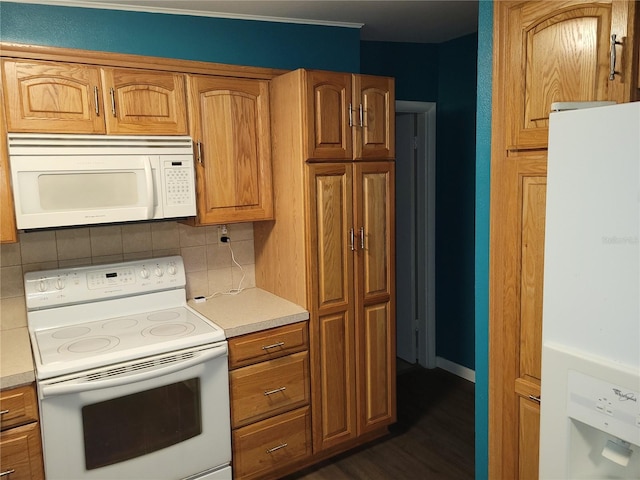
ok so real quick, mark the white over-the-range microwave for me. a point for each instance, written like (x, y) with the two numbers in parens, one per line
(67, 179)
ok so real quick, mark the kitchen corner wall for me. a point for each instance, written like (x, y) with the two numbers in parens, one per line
(208, 263)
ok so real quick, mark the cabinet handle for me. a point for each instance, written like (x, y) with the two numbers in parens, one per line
(534, 398)
(361, 116)
(112, 93)
(9, 472)
(282, 445)
(273, 345)
(2, 412)
(95, 101)
(612, 57)
(199, 148)
(277, 390)
(361, 238)
(352, 240)
(350, 115)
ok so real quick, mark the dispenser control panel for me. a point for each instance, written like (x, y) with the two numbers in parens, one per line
(612, 408)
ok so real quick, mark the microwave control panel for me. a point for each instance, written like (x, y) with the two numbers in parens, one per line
(178, 183)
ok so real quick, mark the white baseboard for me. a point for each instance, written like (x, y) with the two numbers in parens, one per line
(456, 369)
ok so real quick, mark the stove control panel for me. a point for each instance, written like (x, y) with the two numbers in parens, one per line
(52, 288)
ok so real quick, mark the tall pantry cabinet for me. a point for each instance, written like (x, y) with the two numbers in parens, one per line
(544, 52)
(331, 246)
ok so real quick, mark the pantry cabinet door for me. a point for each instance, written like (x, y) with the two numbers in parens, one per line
(230, 119)
(144, 102)
(374, 122)
(329, 115)
(332, 326)
(52, 97)
(374, 197)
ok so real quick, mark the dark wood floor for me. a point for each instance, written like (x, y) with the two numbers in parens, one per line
(433, 439)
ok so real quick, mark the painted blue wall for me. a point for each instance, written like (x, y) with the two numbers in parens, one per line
(483, 170)
(236, 42)
(455, 200)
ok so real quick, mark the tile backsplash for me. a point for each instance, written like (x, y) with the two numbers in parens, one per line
(208, 263)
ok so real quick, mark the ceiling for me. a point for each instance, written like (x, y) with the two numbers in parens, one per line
(416, 21)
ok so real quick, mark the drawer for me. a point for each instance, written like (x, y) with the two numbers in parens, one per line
(21, 453)
(268, 344)
(273, 443)
(268, 388)
(18, 406)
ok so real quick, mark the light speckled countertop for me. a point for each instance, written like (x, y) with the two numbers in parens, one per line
(249, 311)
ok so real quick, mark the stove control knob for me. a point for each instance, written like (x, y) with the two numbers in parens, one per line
(42, 286)
(144, 273)
(159, 272)
(60, 284)
(172, 270)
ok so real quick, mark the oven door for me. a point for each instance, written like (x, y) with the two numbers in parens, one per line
(161, 417)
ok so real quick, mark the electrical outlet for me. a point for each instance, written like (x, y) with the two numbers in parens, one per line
(223, 234)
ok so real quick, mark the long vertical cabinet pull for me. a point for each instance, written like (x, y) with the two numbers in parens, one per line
(361, 116)
(350, 115)
(352, 239)
(199, 149)
(612, 57)
(95, 101)
(112, 93)
(361, 238)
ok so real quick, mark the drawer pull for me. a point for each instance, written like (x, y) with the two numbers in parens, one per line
(283, 445)
(277, 390)
(273, 345)
(2, 412)
(9, 472)
(534, 398)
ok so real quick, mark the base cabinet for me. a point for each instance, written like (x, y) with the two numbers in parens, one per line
(270, 395)
(20, 444)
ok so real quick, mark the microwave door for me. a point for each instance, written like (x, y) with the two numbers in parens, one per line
(83, 190)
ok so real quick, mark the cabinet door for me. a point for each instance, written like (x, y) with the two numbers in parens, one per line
(52, 97)
(374, 196)
(332, 327)
(374, 122)
(231, 127)
(144, 102)
(329, 116)
(561, 53)
(8, 231)
(528, 439)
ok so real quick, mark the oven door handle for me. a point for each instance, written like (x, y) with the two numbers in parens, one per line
(83, 385)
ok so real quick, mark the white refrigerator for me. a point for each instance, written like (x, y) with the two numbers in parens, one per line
(590, 393)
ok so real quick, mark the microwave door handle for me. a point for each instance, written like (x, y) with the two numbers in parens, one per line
(148, 176)
(85, 386)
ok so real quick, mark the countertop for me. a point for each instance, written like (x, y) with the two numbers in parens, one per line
(249, 311)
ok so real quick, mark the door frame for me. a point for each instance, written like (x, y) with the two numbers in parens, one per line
(425, 229)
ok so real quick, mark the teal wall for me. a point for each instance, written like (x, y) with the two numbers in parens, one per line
(483, 170)
(237, 42)
(446, 74)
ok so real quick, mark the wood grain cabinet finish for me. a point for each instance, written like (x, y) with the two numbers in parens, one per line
(57, 97)
(231, 127)
(331, 250)
(8, 232)
(20, 444)
(544, 52)
(270, 396)
(348, 116)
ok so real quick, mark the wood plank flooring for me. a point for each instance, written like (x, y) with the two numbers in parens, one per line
(433, 438)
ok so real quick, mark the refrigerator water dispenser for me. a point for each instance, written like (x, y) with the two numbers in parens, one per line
(604, 431)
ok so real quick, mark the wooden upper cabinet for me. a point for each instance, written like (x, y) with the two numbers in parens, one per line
(328, 122)
(230, 125)
(58, 97)
(52, 97)
(144, 102)
(374, 131)
(349, 116)
(8, 231)
(561, 52)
